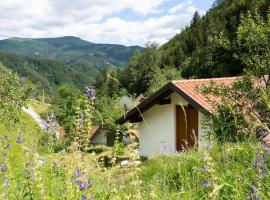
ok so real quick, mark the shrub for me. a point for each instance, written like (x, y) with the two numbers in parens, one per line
(99, 149)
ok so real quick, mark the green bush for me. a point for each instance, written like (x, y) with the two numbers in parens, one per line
(99, 149)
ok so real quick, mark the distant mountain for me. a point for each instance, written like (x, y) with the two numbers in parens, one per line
(50, 73)
(70, 50)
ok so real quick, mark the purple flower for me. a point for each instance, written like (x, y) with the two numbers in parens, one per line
(54, 124)
(263, 172)
(255, 164)
(206, 183)
(205, 169)
(4, 168)
(90, 183)
(6, 138)
(6, 183)
(8, 146)
(203, 158)
(83, 197)
(77, 172)
(82, 185)
(90, 92)
(46, 126)
(19, 139)
(261, 133)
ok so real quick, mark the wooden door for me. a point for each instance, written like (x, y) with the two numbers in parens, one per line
(186, 127)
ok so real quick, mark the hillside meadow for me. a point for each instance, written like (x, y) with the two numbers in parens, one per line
(228, 171)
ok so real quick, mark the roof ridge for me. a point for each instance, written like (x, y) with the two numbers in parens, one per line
(206, 79)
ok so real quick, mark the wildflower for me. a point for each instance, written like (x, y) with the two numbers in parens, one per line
(90, 183)
(46, 126)
(261, 133)
(6, 183)
(29, 173)
(8, 146)
(54, 124)
(264, 167)
(82, 185)
(251, 193)
(83, 197)
(6, 138)
(206, 183)
(90, 92)
(255, 164)
(203, 158)
(205, 169)
(4, 168)
(77, 172)
(19, 139)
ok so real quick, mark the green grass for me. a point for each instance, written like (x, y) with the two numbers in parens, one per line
(181, 176)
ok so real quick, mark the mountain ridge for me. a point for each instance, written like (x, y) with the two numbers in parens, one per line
(70, 49)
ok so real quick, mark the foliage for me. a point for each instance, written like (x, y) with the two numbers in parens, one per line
(254, 45)
(196, 52)
(159, 77)
(108, 84)
(12, 89)
(244, 106)
(50, 73)
(99, 149)
(221, 172)
(107, 112)
(118, 147)
(64, 107)
(136, 77)
(83, 123)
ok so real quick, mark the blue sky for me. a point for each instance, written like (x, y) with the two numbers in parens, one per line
(127, 22)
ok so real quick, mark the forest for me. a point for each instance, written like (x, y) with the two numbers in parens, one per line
(198, 51)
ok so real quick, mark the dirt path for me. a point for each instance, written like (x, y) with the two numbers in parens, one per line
(30, 111)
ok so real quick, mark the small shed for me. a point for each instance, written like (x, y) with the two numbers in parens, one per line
(171, 119)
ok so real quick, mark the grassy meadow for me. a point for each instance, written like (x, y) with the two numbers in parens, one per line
(227, 171)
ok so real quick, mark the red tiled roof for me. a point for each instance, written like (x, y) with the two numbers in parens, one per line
(188, 89)
(191, 88)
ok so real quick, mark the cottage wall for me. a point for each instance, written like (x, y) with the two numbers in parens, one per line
(158, 129)
(100, 138)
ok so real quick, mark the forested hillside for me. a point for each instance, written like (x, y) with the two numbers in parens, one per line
(71, 49)
(205, 48)
(50, 73)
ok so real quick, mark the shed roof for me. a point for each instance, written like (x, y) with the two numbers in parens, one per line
(188, 89)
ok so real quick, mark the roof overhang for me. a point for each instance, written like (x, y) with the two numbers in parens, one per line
(135, 114)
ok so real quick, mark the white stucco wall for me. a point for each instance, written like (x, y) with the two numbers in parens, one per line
(158, 129)
(201, 130)
(100, 138)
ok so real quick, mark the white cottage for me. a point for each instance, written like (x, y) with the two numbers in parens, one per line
(171, 119)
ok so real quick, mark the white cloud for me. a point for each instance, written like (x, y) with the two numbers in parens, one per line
(89, 20)
(180, 7)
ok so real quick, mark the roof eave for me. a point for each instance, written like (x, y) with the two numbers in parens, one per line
(150, 101)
